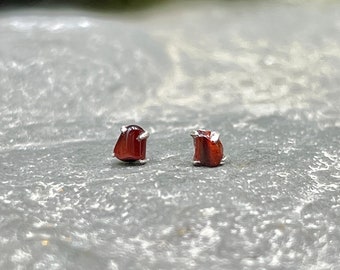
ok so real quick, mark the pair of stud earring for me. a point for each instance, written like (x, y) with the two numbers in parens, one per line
(131, 146)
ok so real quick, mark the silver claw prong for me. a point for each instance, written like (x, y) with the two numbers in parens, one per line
(196, 162)
(123, 129)
(224, 158)
(113, 155)
(194, 134)
(143, 136)
(214, 136)
(142, 161)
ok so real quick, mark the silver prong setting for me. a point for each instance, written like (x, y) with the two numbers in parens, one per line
(214, 136)
(196, 162)
(123, 129)
(143, 136)
(194, 134)
(142, 161)
(224, 158)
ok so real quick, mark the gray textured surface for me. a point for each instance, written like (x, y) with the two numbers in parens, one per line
(266, 76)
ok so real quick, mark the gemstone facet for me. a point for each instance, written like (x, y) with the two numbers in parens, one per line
(208, 148)
(131, 144)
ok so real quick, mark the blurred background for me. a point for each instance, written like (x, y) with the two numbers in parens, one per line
(89, 4)
(103, 5)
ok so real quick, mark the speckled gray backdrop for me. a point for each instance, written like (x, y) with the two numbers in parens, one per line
(265, 75)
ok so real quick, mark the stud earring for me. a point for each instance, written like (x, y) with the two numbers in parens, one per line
(131, 144)
(208, 148)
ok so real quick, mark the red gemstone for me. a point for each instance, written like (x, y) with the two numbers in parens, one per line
(208, 148)
(131, 144)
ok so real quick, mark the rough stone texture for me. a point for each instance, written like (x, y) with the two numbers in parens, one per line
(265, 75)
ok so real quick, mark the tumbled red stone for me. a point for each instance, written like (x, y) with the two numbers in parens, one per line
(208, 148)
(131, 144)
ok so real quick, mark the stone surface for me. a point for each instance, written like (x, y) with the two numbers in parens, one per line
(265, 75)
